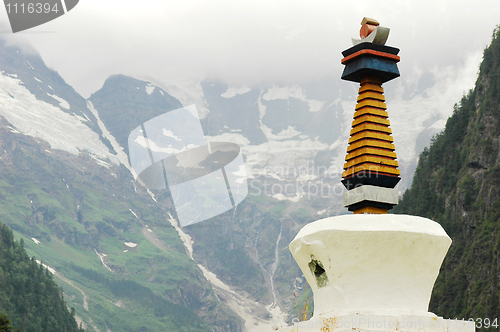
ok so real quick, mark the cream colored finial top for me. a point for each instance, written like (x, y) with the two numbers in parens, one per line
(372, 32)
(367, 20)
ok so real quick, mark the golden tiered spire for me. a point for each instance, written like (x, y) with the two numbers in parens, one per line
(370, 145)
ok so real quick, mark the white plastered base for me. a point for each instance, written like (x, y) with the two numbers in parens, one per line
(377, 268)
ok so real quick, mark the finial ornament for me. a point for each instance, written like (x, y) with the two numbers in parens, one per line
(372, 32)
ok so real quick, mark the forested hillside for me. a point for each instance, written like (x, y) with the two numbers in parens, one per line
(29, 296)
(457, 184)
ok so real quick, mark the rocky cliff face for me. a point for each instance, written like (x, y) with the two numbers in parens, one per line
(457, 183)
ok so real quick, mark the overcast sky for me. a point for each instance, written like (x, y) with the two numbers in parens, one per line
(247, 42)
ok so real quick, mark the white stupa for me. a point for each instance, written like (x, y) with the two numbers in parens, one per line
(372, 271)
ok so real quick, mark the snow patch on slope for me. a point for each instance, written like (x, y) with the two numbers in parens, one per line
(285, 92)
(51, 270)
(63, 103)
(150, 88)
(315, 105)
(135, 215)
(233, 91)
(147, 143)
(229, 137)
(120, 155)
(288, 133)
(39, 119)
(296, 92)
(295, 199)
(101, 257)
(100, 162)
(185, 238)
(170, 134)
(13, 130)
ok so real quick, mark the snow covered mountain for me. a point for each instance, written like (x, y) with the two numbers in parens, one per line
(32, 103)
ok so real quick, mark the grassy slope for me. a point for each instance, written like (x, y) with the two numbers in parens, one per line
(88, 211)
